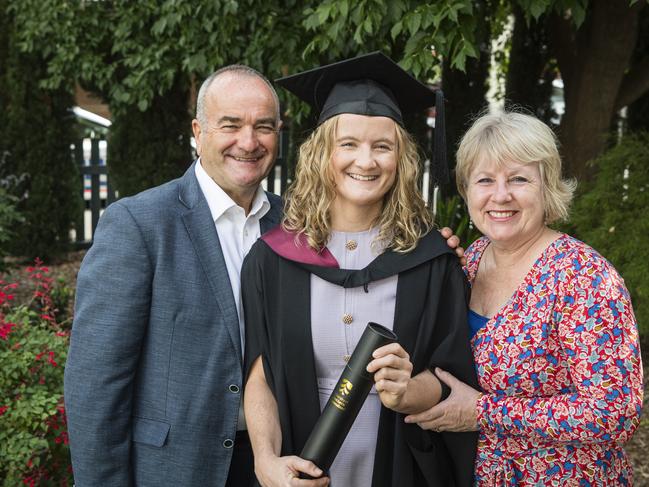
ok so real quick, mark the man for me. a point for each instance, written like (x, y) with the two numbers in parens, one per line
(153, 380)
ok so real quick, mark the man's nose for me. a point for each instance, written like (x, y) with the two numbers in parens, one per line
(248, 140)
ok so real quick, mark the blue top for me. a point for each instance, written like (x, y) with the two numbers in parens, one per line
(476, 322)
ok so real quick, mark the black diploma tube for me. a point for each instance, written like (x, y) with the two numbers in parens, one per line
(346, 400)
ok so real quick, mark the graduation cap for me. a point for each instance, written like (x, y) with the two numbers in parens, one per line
(374, 85)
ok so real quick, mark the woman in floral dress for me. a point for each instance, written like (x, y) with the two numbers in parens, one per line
(554, 337)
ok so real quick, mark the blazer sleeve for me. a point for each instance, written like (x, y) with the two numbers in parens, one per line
(111, 316)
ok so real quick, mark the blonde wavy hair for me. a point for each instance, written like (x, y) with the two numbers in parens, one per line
(511, 136)
(404, 218)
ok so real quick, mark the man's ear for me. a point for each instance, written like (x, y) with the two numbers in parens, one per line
(196, 129)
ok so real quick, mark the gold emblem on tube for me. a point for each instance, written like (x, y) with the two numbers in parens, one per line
(340, 398)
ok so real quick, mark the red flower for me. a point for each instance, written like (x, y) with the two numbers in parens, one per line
(5, 330)
(3, 409)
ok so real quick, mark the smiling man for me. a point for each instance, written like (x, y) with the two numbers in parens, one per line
(154, 378)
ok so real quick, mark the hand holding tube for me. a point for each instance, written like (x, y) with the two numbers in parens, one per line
(392, 370)
(346, 400)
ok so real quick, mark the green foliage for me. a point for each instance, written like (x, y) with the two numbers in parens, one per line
(416, 30)
(35, 144)
(609, 215)
(33, 348)
(452, 212)
(134, 54)
(576, 9)
(150, 147)
(9, 219)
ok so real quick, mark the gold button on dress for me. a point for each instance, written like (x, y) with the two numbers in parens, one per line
(351, 245)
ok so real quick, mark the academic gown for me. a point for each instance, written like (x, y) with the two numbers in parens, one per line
(430, 322)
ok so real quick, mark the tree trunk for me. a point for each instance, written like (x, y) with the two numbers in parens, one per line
(592, 62)
(638, 113)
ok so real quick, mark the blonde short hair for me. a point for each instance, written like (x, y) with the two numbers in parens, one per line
(404, 218)
(507, 137)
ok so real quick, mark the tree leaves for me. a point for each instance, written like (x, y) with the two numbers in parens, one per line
(131, 51)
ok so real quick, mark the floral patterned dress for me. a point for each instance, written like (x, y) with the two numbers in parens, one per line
(561, 372)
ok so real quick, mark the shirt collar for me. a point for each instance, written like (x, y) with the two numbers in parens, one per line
(219, 201)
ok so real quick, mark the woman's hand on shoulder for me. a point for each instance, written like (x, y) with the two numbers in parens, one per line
(453, 241)
(458, 412)
(274, 471)
(392, 371)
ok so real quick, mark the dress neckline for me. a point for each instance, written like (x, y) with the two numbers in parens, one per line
(524, 282)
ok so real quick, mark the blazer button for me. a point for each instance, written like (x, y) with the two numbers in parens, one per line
(234, 389)
(228, 443)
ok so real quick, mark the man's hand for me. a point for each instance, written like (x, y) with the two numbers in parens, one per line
(456, 413)
(273, 471)
(453, 241)
(392, 368)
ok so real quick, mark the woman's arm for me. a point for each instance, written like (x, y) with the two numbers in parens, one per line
(598, 335)
(262, 419)
(397, 389)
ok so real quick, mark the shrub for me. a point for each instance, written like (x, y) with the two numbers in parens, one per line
(36, 130)
(9, 218)
(452, 213)
(33, 349)
(608, 214)
(151, 147)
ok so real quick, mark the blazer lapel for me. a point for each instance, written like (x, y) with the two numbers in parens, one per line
(274, 215)
(204, 238)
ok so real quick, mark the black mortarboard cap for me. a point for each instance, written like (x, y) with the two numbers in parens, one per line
(374, 85)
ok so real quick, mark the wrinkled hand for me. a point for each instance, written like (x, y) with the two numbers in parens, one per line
(453, 241)
(392, 369)
(456, 413)
(273, 471)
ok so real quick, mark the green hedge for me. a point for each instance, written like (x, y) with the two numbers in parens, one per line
(609, 214)
(151, 147)
(36, 130)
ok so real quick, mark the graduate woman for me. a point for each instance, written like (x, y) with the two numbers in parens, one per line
(357, 244)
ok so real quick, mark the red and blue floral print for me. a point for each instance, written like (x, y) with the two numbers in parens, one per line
(561, 373)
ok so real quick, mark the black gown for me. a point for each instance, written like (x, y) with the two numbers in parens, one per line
(430, 321)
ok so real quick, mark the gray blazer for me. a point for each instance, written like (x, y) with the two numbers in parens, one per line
(154, 374)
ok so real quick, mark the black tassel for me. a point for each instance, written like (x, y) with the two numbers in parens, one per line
(439, 173)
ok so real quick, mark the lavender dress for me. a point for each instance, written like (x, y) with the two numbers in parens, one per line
(338, 318)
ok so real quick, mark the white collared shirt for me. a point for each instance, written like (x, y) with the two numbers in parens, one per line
(237, 231)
